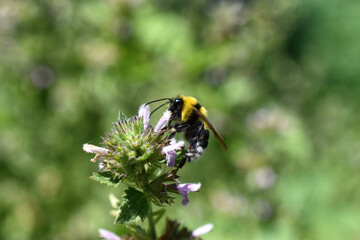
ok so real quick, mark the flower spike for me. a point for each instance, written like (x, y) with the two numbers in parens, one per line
(135, 155)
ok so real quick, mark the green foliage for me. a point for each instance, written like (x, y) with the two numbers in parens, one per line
(134, 156)
(279, 80)
(133, 208)
(106, 178)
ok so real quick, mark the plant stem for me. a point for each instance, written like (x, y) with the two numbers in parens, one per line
(152, 231)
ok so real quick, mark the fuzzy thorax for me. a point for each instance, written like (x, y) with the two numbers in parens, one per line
(188, 109)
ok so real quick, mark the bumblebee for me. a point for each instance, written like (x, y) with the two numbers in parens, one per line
(191, 118)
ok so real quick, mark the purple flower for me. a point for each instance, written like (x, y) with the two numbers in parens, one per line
(105, 234)
(170, 152)
(144, 112)
(186, 188)
(202, 230)
(163, 120)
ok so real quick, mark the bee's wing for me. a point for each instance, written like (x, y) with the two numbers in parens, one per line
(217, 135)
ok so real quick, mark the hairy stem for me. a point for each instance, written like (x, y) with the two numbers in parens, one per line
(152, 231)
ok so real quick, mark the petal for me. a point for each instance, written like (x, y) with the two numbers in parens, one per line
(189, 187)
(202, 230)
(163, 120)
(170, 152)
(170, 158)
(105, 234)
(144, 112)
(185, 188)
(194, 187)
(178, 145)
(173, 146)
(94, 149)
(185, 200)
(101, 166)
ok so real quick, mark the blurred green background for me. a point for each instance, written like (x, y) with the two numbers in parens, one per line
(279, 78)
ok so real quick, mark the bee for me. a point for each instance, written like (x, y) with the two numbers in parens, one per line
(191, 118)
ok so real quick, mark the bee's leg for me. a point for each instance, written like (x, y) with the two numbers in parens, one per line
(181, 127)
(172, 134)
(182, 163)
(190, 154)
(178, 127)
(172, 128)
(169, 124)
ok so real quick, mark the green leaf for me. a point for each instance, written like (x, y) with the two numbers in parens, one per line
(144, 156)
(105, 178)
(180, 156)
(133, 208)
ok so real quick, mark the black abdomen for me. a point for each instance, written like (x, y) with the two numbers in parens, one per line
(198, 138)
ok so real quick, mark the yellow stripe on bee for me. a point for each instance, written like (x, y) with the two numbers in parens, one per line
(204, 112)
(188, 109)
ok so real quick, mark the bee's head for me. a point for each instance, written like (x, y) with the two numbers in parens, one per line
(175, 107)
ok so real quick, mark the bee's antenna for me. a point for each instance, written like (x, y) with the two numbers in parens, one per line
(158, 108)
(162, 99)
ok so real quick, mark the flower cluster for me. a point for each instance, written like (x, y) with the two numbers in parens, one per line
(146, 160)
(135, 154)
